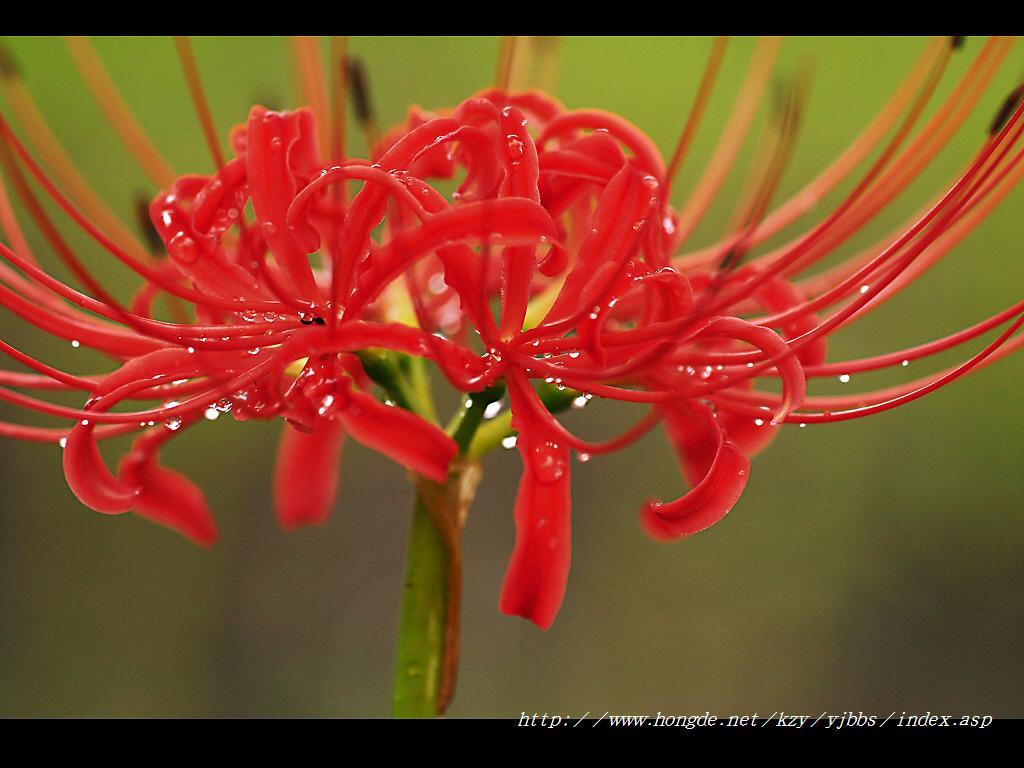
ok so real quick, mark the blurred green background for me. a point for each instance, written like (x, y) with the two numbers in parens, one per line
(874, 565)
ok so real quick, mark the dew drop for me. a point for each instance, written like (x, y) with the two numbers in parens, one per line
(183, 248)
(76, 343)
(583, 457)
(492, 409)
(436, 283)
(515, 146)
(211, 413)
(173, 424)
(905, 363)
(548, 463)
(844, 378)
(758, 422)
(63, 442)
(508, 443)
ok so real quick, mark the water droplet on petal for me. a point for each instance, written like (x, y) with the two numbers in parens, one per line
(76, 343)
(844, 378)
(509, 442)
(183, 248)
(515, 146)
(548, 462)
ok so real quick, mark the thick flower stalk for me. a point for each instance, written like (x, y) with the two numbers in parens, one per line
(315, 287)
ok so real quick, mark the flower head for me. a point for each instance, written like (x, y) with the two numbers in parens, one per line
(314, 287)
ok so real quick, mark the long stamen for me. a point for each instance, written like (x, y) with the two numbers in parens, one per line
(885, 185)
(202, 105)
(873, 133)
(940, 216)
(737, 127)
(506, 58)
(43, 140)
(149, 273)
(361, 100)
(339, 99)
(547, 62)
(306, 51)
(50, 372)
(810, 241)
(700, 101)
(118, 113)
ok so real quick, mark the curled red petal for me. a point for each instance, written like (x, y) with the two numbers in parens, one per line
(168, 498)
(88, 477)
(399, 434)
(84, 468)
(307, 473)
(790, 370)
(723, 481)
(779, 295)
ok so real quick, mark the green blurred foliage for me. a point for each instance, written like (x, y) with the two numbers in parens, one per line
(873, 565)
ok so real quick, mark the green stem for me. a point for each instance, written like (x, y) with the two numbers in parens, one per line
(428, 635)
(426, 662)
(420, 653)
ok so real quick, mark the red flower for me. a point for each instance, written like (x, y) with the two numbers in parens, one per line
(562, 222)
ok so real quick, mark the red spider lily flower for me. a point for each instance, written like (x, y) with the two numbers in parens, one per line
(557, 271)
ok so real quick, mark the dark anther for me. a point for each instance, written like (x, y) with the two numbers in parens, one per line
(360, 91)
(8, 64)
(145, 225)
(1003, 115)
(956, 42)
(269, 100)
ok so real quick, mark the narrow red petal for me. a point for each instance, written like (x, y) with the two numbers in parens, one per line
(538, 572)
(169, 498)
(725, 471)
(402, 436)
(307, 474)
